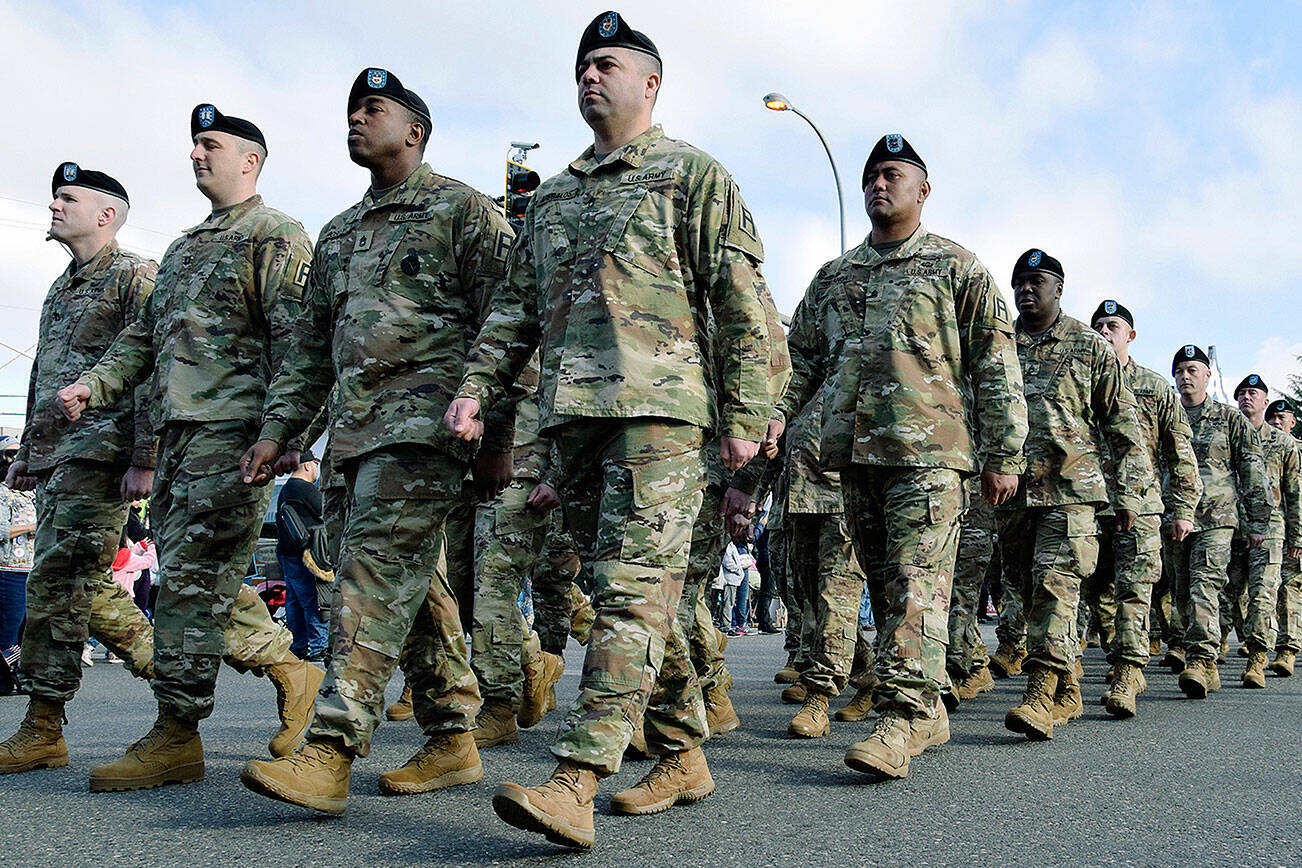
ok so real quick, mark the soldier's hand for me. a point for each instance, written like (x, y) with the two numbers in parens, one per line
(769, 445)
(258, 464)
(18, 479)
(736, 452)
(1181, 528)
(492, 472)
(543, 499)
(738, 527)
(288, 462)
(1294, 553)
(1255, 540)
(461, 421)
(736, 502)
(72, 400)
(1126, 519)
(136, 483)
(998, 488)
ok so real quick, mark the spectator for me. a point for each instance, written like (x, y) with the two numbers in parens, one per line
(17, 538)
(298, 512)
(741, 610)
(734, 577)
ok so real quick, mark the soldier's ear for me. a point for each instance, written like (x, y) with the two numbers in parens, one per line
(924, 190)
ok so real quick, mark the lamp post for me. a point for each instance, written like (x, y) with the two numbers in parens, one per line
(779, 103)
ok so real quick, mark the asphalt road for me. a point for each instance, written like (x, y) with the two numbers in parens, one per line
(1184, 783)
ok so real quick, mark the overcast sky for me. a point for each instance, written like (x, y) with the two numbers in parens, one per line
(1156, 149)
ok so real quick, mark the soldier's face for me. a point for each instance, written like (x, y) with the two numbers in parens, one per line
(1116, 331)
(74, 213)
(1036, 294)
(1252, 402)
(1284, 421)
(378, 131)
(1191, 378)
(217, 162)
(615, 84)
(895, 191)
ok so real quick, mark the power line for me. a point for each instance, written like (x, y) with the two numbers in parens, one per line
(168, 235)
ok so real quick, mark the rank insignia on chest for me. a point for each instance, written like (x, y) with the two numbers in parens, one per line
(363, 241)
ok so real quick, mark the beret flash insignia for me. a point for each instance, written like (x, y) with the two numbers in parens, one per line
(1109, 307)
(377, 78)
(69, 171)
(1035, 258)
(895, 143)
(207, 114)
(1190, 351)
(608, 25)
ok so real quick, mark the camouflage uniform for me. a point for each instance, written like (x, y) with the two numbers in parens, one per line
(1252, 590)
(913, 347)
(622, 266)
(556, 593)
(399, 289)
(1079, 407)
(1233, 472)
(1289, 605)
(976, 550)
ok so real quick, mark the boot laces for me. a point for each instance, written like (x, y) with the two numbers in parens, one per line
(884, 727)
(27, 735)
(564, 780)
(313, 753)
(665, 766)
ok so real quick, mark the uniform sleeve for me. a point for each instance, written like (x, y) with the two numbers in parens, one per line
(749, 346)
(1184, 487)
(990, 357)
(1251, 487)
(128, 362)
(144, 443)
(1291, 495)
(1114, 408)
(807, 347)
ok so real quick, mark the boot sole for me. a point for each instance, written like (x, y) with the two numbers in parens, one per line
(513, 807)
(726, 726)
(1193, 689)
(1281, 671)
(513, 738)
(447, 779)
(1253, 684)
(47, 762)
(400, 716)
(1120, 712)
(275, 790)
(875, 766)
(784, 678)
(187, 774)
(795, 732)
(1021, 725)
(695, 794)
(849, 717)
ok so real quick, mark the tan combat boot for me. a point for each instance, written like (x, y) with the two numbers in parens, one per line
(581, 615)
(1195, 678)
(1213, 676)
(1034, 717)
(1225, 646)
(495, 724)
(1244, 651)
(1254, 675)
(794, 694)
(857, 708)
(296, 684)
(1127, 684)
(925, 732)
(560, 808)
(1067, 704)
(1007, 661)
(541, 672)
(448, 759)
(721, 638)
(788, 674)
(170, 753)
(675, 778)
(811, 720)
(401, 710)
(1154, 647)
(719, 714)
(38, 743)
(1175, 659)
(315, 776)
(1283, 663)
(975, 684)
(885, 753)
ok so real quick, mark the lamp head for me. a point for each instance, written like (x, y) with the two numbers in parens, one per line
(777, 102)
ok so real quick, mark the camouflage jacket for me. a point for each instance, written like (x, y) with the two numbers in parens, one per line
(811, 488)
(83, 312)
(914, 348)
(399, 288)
(1174, 488)
(1280, 457)
(638, 276)
(1232, 468)
(218, 321)
(16, 508)
(1076, 399)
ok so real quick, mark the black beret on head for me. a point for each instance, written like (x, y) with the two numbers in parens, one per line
(381, 82)
(1190, 353)
(206, 119)
(1252, 381)
(891, 146)
(1274, 408)
(1110, 307)
(1035, 260)
(307, 455)
(71, 175)
(609, 30)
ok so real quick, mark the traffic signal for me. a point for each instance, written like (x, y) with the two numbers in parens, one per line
(521, 181)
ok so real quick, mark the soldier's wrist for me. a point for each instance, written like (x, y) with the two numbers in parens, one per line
(275, 431)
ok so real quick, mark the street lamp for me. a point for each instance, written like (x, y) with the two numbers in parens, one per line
(779, 103)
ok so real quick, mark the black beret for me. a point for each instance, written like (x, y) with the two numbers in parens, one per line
(1274, 408)
(1108, 307)
(1035, 260)
(307, 455)
(206, 118)
(891, 146)
(1252, 381)
(1190, 353)
(71, 175)
(381, 82)
(608, 30)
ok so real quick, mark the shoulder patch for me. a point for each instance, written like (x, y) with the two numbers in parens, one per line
(739, 228)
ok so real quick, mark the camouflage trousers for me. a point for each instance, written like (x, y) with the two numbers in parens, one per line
(206, 521)
(821, 561)
(905, 523)
(1165, 619)
(1289, 607)
(1097, 609)
(795, 642)
(1251, 596)
(1199, 565)
(1047, 552)
(1011, 627)
(704, 559)
(976, 559)
(632, 492)
(1136, 557)
(556, 595)
(396, 601)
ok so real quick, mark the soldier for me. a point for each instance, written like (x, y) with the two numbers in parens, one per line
(401, 283)
(637, 273)
(199, 383)
(1136, 554)
(968, 658)
(910, 339)
(1233, 473)
(1079, 407)
(1289, 608)
(1252, 589)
